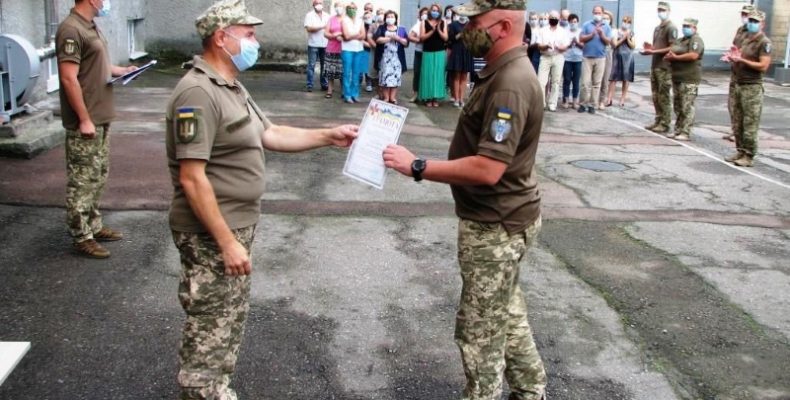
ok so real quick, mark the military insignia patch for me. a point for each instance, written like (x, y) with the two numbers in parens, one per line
(186, 124)
(70, 47)
(768, 48)
(674, 34)
(695, 46)
(501, 126)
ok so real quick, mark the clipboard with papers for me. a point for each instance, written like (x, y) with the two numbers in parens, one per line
(128, 77)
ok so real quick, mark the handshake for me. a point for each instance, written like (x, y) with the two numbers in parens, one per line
(732, 55)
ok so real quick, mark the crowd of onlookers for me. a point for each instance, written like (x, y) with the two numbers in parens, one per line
(579, 62)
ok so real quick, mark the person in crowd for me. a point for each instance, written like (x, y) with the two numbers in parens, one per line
(685, 62)
(736, 43)
(314, 23)
(572, 71)
(460, 62)
(664, 37)
(595, 36)
(608, 19)
(334, 35)
(371, 77)
(622, 61)
(414, 37)
(393, 40)
(449, 14)
(532, 51)
(352, 54)
(553, 41)
(433, 34)
(565, 15)
(751, 61)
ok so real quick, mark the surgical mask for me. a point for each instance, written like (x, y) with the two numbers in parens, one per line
(379, 18)
(575, 26)
(463, 19)
(753, 27)
(390, 21)
(424, 17)
(369, 20)
(448, 14)
(563, 23)
(339, 10)
(688, 32)
(105, 9)
(435, 14)
(248, 55)
(607, 21)
(478, 41)
(625, 26)
(319, 7)
(351, 12)
(663, 15)
(597, 18)
(544, 22)
(533, 22)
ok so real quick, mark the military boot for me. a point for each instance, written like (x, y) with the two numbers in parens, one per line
(745, 161)
(107, 235)
(682, 137)
(734, 156)
(729, 137)
(91, 248)
(651, 126)
(660, 128)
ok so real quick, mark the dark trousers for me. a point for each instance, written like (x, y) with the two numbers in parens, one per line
(571, 75)
(316, 54)
(415, 84)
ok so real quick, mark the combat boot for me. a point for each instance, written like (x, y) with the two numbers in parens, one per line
(734, 156)
(745, 161)
(660, 129)
(107, 235)
(651, 126)
(729, 137)
(91, 248)
(683, 137)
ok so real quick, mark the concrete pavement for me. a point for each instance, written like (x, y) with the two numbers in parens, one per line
(661, 272)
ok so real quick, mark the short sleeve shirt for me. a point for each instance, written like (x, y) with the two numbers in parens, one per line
(416, 29)
(752, 48)
(664, 36)
(688, 71)
(553, 37)
(502, 121)
(79, 41)
(312, 19)
(216, 121)
(595, 47)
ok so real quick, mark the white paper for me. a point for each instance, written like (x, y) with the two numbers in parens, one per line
(128, 77)
(380, 127)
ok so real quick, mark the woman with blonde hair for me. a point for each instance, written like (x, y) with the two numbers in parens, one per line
(608, 19)
(622, 60)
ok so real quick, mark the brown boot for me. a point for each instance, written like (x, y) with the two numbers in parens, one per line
(91, 248)
(734, 156)
(107, 235)
(745, 161)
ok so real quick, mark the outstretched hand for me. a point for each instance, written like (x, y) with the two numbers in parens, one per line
(343, 135)
(398, 158)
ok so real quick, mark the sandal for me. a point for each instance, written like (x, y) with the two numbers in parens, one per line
(328, 96)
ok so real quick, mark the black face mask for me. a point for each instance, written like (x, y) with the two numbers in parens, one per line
(553, 22)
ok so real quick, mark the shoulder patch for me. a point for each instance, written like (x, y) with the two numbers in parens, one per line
(501, 125)
(674, 33)
(695, 46)
(70, 47)
(187, 120)
(768, 48)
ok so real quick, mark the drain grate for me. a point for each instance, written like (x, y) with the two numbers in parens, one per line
(600, 166)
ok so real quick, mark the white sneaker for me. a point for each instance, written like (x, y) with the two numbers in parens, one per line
(368, 88)
(456, 104)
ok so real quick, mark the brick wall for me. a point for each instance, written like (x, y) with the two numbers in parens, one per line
(780, 19)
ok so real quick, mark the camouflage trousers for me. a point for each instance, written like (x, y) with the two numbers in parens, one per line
(491, 328)
(216, 307)
(87, 167)
(747, 108)
(684, 95)
(660, 85)
(731, 102)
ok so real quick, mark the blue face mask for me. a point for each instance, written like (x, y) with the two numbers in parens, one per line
(248, 55)
(563, 23)
(753, 27)
(105, 9)
(687, 32)
(435, 14)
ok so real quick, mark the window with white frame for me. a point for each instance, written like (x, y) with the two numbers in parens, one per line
(135, 39)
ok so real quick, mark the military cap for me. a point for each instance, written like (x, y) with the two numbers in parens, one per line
(223, 14)
(663, 5)
(757, 15)
(477, 7)
(747, 8)
(690, 21)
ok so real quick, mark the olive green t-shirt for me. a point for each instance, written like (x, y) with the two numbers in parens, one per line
(753, 46)
(79, 41)
(502, 121)
(664, 36)
(217, 121)
(688, 71)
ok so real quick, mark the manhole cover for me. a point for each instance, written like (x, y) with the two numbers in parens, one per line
(600, 166)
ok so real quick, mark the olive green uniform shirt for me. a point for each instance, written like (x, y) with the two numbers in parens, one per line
(502, 121)
(739, 34)
(753, 46)
(664, 36)
(688, 71)
(79, 41)
(217, 121)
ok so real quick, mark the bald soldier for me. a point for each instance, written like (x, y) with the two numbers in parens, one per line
(216, 136)
(490, 169)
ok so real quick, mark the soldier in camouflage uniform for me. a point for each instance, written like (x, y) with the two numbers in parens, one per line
(494, 184)
(216, 136)
(685, 59)
(86, 104)
(736, 43)
(664, 36)
(750, 62)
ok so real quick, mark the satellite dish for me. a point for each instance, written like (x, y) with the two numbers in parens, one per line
(19, 71)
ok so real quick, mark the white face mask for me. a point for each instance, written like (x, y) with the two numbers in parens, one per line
(390, 21)
(339, 10)
(318, 7)
(424, 17)
(663, 15)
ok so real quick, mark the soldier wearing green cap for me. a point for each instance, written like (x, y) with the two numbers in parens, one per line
(750, 61)
(491, 171)
(216, 136)
(736, 43)
(685, 58)
(664, 37)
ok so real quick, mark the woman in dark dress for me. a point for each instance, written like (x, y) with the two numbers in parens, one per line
(460, 62)
(622, 61)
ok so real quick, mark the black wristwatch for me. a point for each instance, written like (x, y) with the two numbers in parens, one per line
(417, 168)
